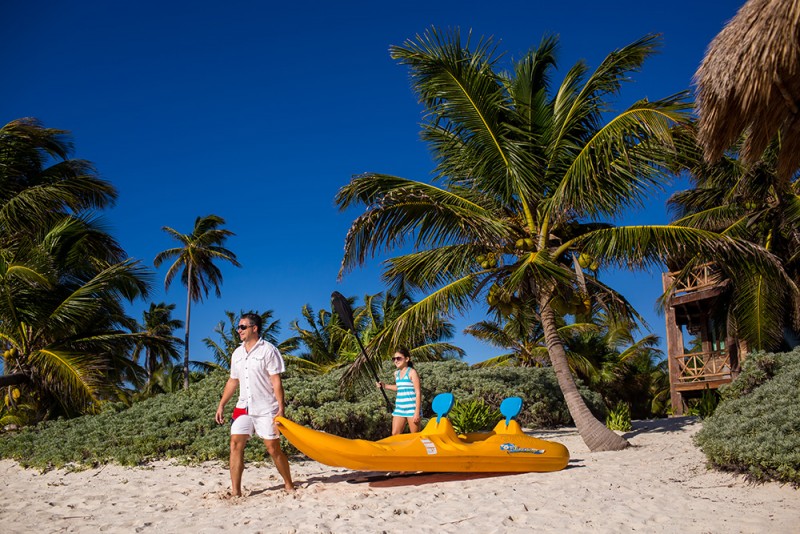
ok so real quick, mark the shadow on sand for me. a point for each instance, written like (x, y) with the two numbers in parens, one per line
(382, 479)
(670, 424)
(393, 480)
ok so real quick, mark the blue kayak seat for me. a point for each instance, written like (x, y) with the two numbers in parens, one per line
(510, 408)
(442, 403)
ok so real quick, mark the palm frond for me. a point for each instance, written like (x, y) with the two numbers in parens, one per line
(428, 214)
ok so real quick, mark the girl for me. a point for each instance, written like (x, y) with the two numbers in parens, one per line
(409, 397)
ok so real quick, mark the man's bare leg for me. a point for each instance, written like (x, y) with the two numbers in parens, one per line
(281, 462)
(238, 442)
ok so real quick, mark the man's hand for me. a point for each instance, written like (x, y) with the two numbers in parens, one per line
(275, 423)
(219, 417)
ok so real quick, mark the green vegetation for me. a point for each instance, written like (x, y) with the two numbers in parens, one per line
(619, 418)
(64, 281)
(705, 405)
(181, 426)
(324, 344)
(317, 400)
(473, 416)
(543, 401)
(160, 347)
(601, 351)
(752, 203)
(527, 174)
(755, 430)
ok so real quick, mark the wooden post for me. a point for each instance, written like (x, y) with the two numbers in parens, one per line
(674, 350)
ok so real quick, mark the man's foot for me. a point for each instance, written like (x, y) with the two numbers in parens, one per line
(229, 495)
(289, 488)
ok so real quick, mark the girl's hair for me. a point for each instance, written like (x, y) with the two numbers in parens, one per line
(405, 352)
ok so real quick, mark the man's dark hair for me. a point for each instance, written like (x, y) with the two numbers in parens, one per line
(254, 319)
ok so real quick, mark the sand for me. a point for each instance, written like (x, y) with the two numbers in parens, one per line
(661, 484)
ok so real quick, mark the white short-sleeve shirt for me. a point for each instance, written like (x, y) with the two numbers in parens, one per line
(252, 370)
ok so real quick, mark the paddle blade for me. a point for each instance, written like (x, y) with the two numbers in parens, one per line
(510, 408)
(342, 308)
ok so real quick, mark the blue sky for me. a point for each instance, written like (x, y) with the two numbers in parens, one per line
(260, 112)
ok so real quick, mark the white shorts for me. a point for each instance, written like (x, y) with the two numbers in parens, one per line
(263, 425)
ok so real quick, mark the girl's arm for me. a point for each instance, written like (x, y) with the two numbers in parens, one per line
(415, 380)
(382, 385)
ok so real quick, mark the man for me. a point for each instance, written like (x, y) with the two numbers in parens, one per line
(256, 368)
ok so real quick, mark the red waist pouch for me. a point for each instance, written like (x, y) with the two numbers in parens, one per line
(237, 412)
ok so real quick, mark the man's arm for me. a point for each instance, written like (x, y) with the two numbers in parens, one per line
(277, 388)
(230, 388)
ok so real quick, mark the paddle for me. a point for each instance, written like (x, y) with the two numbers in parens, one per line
(342, 308)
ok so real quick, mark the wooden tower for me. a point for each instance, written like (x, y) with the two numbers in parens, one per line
(692, 306)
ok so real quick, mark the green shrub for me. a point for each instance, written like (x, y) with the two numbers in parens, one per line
(619, 418)
(705, 405)
(181, 425)
(757, 369)
(473, 416)
(543, 403)
(755, 430)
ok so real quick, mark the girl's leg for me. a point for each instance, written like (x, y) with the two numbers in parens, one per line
(412, 426)
(398, 424)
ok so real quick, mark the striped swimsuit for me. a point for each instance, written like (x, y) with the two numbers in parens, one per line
(406, 404)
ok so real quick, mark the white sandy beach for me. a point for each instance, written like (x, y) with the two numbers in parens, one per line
(659, 485)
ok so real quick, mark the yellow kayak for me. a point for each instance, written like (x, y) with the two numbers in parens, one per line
(437, 448)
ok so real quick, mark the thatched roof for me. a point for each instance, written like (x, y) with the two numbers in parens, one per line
(749, 82)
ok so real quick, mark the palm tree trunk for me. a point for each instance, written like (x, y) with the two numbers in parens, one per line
(149, 364)
(594, 433)
(186, 337)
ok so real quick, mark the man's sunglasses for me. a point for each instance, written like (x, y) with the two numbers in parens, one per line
(243, 327)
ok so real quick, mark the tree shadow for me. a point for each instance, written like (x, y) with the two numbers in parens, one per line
(670, 424)
(552, 433)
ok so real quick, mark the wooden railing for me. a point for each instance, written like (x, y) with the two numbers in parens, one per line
(706, 275)
(703, 366)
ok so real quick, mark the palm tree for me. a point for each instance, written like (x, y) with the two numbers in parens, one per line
(610, 361)
(378, 315)
(755, 203)
(322, 343)
(196, 257)
(229, 337)
(160, 346)
(40, 183)
(328, 345)
(165, 379)
(601, 351)
(63, 322)
(521, 335)
(527, 174)
(63, 279)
